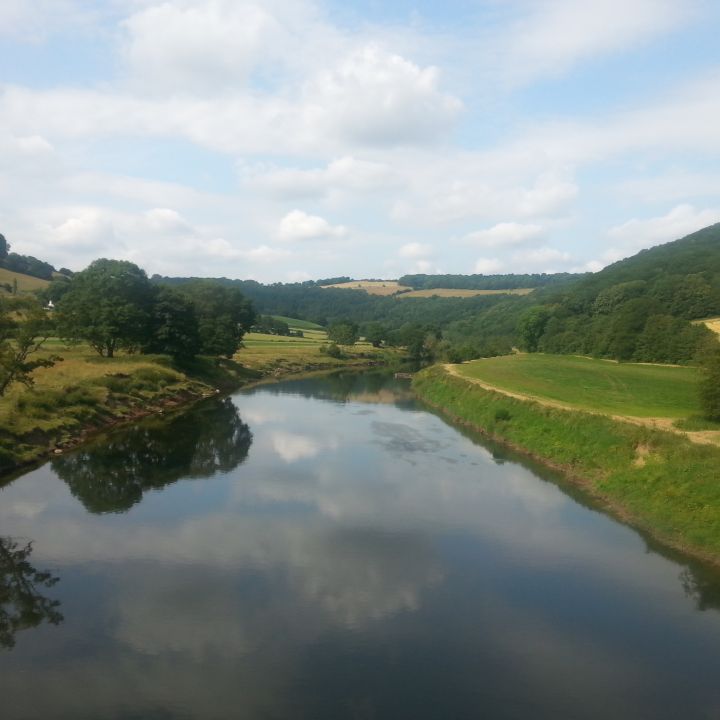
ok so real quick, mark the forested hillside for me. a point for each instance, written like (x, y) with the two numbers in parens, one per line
(487, 282)
(453, 328)
(636, 309)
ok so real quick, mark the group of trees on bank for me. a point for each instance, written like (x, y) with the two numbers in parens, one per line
(113, 305)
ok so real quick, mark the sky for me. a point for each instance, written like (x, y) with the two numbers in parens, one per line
(288, 140)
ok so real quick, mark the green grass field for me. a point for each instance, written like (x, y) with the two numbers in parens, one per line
(597, 385)
(292, 354)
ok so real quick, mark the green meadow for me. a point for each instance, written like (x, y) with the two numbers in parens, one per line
(597, 385)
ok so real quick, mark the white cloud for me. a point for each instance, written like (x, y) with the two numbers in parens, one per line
(167, 221)
(488, 266)
(636, 234)
(415, 250)
(346, 174)
(375, 97)
(299, 226)
(505, 234)
(266, 254)
(292, 446)
(544, 259)
(88, 229)
(199, 47)
(558, 33)
(33, 20)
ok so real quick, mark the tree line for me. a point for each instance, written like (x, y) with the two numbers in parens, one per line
(111, 306)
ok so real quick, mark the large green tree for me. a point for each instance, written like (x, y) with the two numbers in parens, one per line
(223, 314)
(108, 306)
(343, 333)
(173, 325)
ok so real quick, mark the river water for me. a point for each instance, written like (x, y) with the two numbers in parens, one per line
(328, 548)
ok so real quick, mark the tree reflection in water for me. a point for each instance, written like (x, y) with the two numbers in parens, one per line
(112, 474)
(22, 605)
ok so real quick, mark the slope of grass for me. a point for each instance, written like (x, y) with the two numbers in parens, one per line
(373, 287)
(658, 480)
(25, 283)
(598, 385)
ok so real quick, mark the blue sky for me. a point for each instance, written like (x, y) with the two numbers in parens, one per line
(292, 139)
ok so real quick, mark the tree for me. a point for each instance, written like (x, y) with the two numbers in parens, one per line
(532, 325)
(108, 306)
(24, 328)
(710, 383)
(4, 247)
(223, 313)
(343, 333)
(374, 333)
(174, 325)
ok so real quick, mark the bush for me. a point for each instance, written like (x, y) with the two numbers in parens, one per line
(331, 350)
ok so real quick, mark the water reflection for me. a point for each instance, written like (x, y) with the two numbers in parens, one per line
(367, 561)
(22, 604)
(347, 386)
(112, 474)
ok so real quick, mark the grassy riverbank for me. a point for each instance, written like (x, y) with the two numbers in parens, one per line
(85, 393)
(657, 480)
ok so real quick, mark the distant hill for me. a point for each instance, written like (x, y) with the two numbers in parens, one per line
(25, 283)
(638, 308)
(487, 282)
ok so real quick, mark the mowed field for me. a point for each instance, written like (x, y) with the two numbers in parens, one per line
(25, 283)
(629, 389)
(261, 351)
(453, 292)
(372, 287)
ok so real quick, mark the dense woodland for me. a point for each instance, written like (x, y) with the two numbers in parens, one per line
(637, 309)
(486, 282)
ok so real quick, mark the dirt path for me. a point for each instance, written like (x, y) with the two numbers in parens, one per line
(703, 437)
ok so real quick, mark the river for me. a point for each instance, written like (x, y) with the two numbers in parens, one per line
(327, 548)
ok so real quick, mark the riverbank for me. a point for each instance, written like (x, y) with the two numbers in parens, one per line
(86, 394)
(658, 481)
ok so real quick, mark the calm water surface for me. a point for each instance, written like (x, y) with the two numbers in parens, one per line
(327, 548)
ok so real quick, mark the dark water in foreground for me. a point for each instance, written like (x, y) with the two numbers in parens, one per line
(327, 549)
